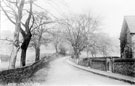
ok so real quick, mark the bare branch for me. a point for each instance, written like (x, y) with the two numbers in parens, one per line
(23, 24)
(29, 18)
(10, 7)
(13, 2)
(7, 15)
(48, 22)
(22, 32)
(32, 22)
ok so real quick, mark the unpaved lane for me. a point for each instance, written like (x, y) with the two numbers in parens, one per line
(61, 73)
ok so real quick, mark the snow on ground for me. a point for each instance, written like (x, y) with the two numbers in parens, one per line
(61, 73)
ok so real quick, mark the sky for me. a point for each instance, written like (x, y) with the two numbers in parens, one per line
(111, 12)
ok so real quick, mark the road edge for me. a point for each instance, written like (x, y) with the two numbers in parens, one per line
(94, 72)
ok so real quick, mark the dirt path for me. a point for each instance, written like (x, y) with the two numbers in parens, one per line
(61, 73)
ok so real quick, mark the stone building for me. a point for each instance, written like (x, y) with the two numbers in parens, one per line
(127, 37)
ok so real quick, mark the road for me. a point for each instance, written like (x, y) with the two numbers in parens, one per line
(61, 73)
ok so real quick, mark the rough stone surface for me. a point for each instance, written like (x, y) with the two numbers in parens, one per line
(94, 63)
(125, 68)
(20, 74)
(121, 66)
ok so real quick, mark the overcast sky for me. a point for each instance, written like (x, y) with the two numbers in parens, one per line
(112, 12)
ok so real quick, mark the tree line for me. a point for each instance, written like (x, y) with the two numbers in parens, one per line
(32, 29)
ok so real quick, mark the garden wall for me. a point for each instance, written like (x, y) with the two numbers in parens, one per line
(112, 64)
(101, 63)
(124, 66)
(98, 64)
(83, 62)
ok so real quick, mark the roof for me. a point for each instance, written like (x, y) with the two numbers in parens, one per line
(130, 20)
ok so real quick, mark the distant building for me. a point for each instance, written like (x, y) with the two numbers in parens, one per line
(127, 37)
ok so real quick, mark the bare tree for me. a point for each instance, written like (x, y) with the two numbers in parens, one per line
(39, 30)
(77, 30)
(26, 34)
(92, 49)
(56, 39)
(17, 15)
(100, 43)
(104, 44)
(16, 10)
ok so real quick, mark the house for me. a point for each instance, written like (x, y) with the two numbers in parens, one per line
(127, 37)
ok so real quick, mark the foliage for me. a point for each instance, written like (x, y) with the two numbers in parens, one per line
(62, 50)
(100, 43)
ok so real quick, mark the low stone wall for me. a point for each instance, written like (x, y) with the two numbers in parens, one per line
(98, 64)
(93, 63)
(83, 62)
(116, 65)
(124, 66)
(20, 74)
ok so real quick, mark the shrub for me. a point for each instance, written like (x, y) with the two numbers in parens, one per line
(62, 51)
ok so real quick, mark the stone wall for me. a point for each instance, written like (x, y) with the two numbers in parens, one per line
(97, 63)
(20, 74)
(116, 65)
(124, 66)
(83, 62)
(100, 65)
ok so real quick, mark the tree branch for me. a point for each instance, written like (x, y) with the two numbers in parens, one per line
(22, 32)
(29, 18)
(7, 15)
(43, 24)
(32, 22)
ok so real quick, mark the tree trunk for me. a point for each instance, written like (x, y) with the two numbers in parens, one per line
(23, 56)
(76, 53)
(87, 53)
(37, 48)
(56, 48)
(13, 57)
(92, 54)
(15, 46)
(17, 22)
(24, 47)
(37, 53)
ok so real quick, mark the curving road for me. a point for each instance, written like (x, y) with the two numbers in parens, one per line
(61, 73)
